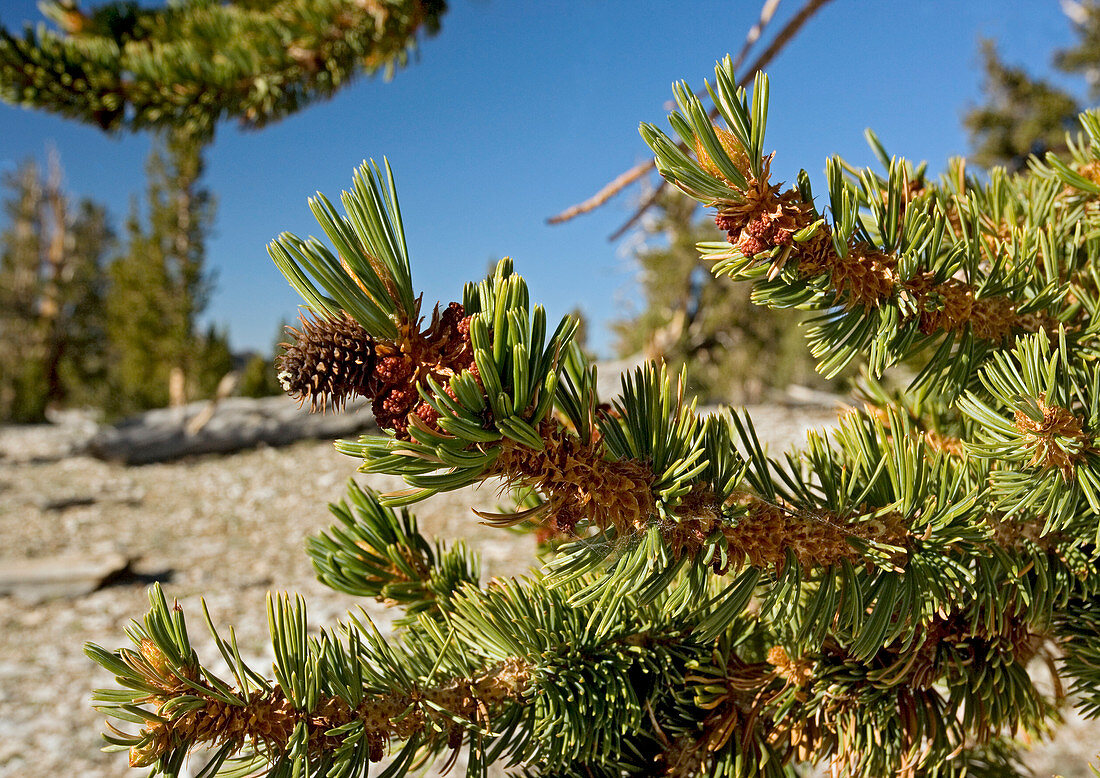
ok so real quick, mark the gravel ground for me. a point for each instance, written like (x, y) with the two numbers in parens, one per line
(229, 529)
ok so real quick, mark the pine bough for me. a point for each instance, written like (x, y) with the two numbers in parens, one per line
(870, 603)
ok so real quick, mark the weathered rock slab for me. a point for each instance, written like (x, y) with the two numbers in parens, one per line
(71, 575)
(234, 424)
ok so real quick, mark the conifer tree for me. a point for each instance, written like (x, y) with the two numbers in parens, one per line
(869, 602)
(159, 285)
(178, 70)
(51, 286)
(1023, 115)
(259, 378)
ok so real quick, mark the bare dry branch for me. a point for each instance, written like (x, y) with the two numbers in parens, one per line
(628, 177)
(766, 14)
(619, 183)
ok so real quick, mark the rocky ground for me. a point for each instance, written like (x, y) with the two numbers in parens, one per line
(227, 528)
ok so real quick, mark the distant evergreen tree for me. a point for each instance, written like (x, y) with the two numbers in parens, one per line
(1083, 58)
(258, 377)
(51, 287)
(179, 70)
(159, 286)
(215, 360)
(734, 349)
(1022, 115)
(22, 381)
(82, 365)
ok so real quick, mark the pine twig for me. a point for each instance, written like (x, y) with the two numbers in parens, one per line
(624, 180)
(635, 173)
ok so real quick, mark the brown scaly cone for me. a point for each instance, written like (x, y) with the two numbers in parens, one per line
(330, 361)
(333, 359)
(1043, 437)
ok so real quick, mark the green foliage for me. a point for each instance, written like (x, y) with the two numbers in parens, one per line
(373, 552)
(179, 70)
(869, 602)
(1084, 57)
(52, 282)
(1022, 115)
(159, 286)
(377, 286)
(190, 64)
(258, 378)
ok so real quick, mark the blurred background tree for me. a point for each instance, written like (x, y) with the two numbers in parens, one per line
(188, 65)
(176, 70)
(259, 378)
(159, 287)
(52, 284)
(1023, 115)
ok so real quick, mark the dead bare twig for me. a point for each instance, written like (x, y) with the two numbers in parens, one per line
(628, 177)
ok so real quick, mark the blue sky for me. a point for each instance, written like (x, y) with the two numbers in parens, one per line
(519, 109)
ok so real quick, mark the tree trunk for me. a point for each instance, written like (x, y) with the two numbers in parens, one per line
(50, 310)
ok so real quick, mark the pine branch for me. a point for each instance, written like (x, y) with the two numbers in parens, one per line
(190, 65)
(375, 553)
(887, 276)
(870, 600)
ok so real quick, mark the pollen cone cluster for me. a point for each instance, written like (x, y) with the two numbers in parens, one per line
(333, 359)
(1057, 441)
(950, 306)
(440, 351)
(864, 276)
(796, 672)
(579, 484)
(767, 532)
(266, 720)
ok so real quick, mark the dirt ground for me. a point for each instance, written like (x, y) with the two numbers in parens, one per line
(229, 529)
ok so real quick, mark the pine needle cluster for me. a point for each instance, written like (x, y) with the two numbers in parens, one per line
(870, 602)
